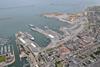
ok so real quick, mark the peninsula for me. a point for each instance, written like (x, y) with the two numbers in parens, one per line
(70, 18)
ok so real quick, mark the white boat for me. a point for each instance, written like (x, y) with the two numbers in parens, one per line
(30, 25)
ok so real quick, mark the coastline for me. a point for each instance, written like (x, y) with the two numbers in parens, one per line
(64, 17)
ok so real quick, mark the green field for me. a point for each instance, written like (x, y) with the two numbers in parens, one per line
(59, 64)
(2, 58)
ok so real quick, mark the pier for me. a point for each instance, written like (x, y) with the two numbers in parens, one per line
(31, 49)
(54, 36)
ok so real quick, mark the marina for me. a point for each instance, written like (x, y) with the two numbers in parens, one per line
(6, 51)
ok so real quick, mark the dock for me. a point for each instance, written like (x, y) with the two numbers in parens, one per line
(31, 48)
(54, 36)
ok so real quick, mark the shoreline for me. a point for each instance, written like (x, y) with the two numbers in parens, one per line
(64, 17)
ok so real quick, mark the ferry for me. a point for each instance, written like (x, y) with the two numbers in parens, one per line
(29, 36)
